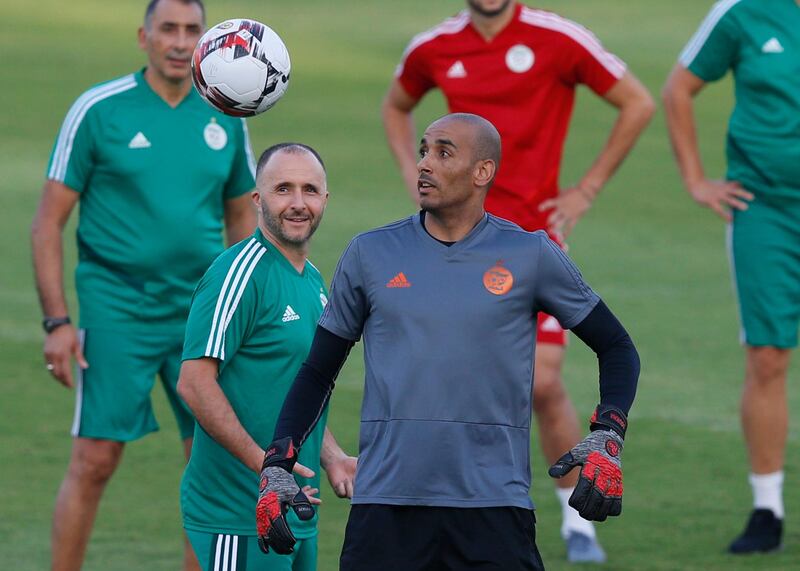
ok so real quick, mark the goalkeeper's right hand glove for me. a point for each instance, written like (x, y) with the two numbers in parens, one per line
(277, 492)
(599, 490)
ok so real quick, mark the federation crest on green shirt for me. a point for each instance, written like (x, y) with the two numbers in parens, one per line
(153, 181)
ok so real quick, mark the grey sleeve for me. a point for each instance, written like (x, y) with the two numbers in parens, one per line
(347, 308)
(560, 289)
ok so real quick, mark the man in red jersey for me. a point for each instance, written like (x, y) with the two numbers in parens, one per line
(519, 67)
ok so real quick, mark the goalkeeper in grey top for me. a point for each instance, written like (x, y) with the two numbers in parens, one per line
(447, 301)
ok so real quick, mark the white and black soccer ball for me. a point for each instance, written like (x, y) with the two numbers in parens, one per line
(241, 67)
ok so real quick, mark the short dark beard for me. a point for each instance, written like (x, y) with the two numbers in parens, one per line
(488, 13)
(273, 224)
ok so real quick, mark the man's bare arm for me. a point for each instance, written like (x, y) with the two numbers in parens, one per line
(240, 218)
(398, 123)
(678, 96)
(198, 387)
(636, 107)
(55, 206)
(340, 467)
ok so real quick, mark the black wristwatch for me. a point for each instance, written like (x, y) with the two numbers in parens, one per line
(50, 324)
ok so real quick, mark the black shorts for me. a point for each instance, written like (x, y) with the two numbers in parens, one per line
(423, 538)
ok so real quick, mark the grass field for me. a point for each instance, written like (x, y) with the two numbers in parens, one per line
(656, 258)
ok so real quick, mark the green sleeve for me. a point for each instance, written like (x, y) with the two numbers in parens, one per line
(243, 170)
(223, 307)
(71, 160)
(713, 49)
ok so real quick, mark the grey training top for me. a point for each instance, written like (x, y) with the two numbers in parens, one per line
(449, 336)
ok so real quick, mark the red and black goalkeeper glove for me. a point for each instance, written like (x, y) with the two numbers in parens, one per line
(599, 490)
(277, 492)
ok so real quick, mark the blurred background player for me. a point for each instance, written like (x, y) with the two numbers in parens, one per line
(444, 474)
(252, 319)
(156, 171)
(760, 199)
(519, 68)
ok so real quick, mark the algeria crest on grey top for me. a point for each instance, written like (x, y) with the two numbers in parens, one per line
(215, 136)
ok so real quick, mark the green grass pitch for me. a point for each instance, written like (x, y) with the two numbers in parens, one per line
(656, 258)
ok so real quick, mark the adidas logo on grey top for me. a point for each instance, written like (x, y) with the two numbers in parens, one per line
(289, 314)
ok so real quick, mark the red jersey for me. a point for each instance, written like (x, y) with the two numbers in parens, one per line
(523, 81)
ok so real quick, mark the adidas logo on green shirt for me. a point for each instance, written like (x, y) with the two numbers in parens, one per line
(289, 314)
(772, 46)
(139, 141)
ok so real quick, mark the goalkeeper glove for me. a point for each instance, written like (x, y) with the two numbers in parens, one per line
(599, 490)
(277, 492)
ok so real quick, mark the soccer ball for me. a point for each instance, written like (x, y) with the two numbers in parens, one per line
(241, 67)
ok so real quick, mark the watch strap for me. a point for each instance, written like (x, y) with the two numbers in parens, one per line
(50, 324)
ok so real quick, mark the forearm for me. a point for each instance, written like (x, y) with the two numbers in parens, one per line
(48, 264)
(312, 387)
(633, 117)
(618, 360)
(619, 374)
(679, 110)
(331, 451)
(401, 137)
(211, 408)
(304, 405)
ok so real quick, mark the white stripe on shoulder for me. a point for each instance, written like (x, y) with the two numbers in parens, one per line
(58, 170)
(251, 162)
(222, 295)
(450, 26)
(310, 263)
(242, 287)
(700, 37)
(577, 33)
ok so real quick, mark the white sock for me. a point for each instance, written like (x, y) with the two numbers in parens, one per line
(571, 519)
(768, 492)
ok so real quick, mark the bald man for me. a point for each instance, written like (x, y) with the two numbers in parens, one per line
(446, 301)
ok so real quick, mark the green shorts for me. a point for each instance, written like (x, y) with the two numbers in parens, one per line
(219, 552)
(764, 244)
(113, 394)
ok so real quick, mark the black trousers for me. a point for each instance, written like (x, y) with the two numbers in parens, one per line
(423, 538)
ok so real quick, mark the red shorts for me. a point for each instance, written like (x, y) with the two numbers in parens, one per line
(549, 330)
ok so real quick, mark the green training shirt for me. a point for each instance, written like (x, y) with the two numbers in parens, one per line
(759, 40)
(256, 314)
(152, 181)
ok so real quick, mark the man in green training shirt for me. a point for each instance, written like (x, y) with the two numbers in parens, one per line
(759, 41)
(156, 171)
(250, 327)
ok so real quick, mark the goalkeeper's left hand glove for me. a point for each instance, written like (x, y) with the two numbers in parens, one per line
(599, 490)
(278, 491)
